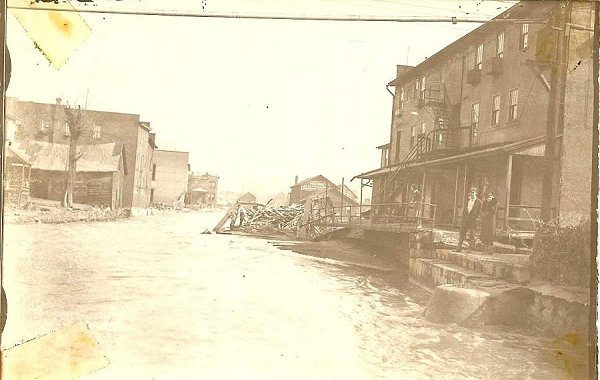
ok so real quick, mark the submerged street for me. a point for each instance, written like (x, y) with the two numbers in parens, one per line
(167, 302)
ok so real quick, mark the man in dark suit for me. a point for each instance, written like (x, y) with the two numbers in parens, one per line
(471, 211)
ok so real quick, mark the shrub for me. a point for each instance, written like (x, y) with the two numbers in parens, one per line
(561, 254)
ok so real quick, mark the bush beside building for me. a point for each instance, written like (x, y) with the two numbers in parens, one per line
(561, 255)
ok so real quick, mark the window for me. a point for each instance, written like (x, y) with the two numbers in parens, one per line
(67, 130)
(96, 131)
(412, 135)
(416, 92)
(397, 154)
(44, 126)
(524, 38)
(422, 128)
(495, 110)
(512, 104)
(479, 57)
(402, 99)
(500, 45)
(212, 185)
(474, 120)
(423, 88)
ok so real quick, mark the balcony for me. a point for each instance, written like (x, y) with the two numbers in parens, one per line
(441, 142)
(474, 76)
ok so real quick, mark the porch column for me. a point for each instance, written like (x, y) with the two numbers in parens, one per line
(360, 204)
(423, 193)
(463, 195)
(507, 195)
(455, 210)
(21, 184)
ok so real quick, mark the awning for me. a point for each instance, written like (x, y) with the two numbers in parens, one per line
(199, 190)
(514, 148)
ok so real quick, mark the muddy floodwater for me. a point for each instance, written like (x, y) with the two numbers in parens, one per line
(167, 302)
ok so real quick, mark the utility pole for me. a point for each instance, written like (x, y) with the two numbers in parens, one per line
(555, 115)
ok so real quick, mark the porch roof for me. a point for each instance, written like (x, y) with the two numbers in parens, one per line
(512, 147)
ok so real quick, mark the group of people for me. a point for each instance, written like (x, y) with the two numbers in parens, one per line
(473, 209)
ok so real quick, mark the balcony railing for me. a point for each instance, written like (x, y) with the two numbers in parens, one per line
(442, 141)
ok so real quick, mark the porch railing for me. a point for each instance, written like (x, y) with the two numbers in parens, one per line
(386, 214)
(525, 217)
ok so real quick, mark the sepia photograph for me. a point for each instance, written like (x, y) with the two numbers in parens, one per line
(286, 189)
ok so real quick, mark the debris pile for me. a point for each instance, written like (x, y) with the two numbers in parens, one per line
(281, 218)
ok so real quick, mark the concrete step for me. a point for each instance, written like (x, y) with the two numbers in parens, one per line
(435, 272)
(509, 267)
(449, 239)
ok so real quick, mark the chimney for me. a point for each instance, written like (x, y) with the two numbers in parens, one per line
(296, 180)
(58, 101)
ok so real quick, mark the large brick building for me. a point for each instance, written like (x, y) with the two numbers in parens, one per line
(47, 123)
(476, 114)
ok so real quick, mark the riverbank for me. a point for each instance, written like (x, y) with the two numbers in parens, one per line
(51, 212)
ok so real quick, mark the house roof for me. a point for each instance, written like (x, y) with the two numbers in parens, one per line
(347, 190)
(509, 147)
(53, 157)
(319, 177)
(11, 149)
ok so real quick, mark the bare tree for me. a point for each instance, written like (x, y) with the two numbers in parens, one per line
(75, 118)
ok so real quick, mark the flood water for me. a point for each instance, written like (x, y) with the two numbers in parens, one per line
(167, 302)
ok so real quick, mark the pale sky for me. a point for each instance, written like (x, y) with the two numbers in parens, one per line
(253, 101)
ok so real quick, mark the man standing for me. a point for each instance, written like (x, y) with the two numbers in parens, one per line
(471, 211)
(416, 203)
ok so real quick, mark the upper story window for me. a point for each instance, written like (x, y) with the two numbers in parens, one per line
(479, 57)
(385, 152)
(500, 45)
(416, 91)
(423, 87)
(495, 110)
(212, 185)
(474, 120)
(512, 104)
(413, 131)
(96, 131)
(44, 126)
(67, 129)
(524, 37)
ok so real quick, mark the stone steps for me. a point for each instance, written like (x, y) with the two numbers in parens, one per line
(435, 272)
(512, 268)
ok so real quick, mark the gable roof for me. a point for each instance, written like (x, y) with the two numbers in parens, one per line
(315, 178)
